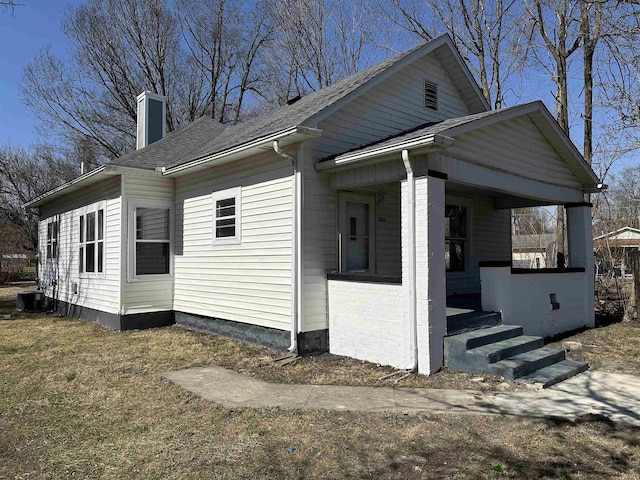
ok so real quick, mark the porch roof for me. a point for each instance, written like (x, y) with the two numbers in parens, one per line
(442, 135)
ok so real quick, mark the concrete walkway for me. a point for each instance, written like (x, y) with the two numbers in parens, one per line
(612, 395)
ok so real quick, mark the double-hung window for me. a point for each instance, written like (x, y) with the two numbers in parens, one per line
(52, 239)
(149, 238)
(91, 245)
(226, 216)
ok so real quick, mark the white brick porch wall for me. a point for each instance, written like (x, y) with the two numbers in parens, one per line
(366, 321)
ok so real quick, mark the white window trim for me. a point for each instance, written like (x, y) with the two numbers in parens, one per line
(53, 240)
(81, 213)
(344, 197)
(235, 193)
(132, 205)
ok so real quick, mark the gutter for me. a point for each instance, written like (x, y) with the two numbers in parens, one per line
(220, 157)
(411, 234)
(105, 170)
(431, 140)
(296, 236)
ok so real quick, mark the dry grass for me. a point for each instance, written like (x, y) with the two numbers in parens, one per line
(614, 348)
(81, 401)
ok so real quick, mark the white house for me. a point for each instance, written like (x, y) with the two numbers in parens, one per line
(613, 250)
(342, 221)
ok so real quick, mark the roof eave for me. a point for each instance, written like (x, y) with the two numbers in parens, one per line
(85, 180)
(292, 135)
(421, 144)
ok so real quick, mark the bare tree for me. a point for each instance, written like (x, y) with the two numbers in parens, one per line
(590, 28)
(484, 32)
(10, 5)
(118, 48)
(318, 42)
(557, 24)
(25, 174)
(225, 39)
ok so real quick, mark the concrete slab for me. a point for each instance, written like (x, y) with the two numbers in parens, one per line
(362, 399)
(612, 395)
(234, 389)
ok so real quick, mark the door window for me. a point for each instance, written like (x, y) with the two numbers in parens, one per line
(357, 233)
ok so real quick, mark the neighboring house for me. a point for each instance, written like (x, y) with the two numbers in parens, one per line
(613, 249)
(340, 221)
(533, 250)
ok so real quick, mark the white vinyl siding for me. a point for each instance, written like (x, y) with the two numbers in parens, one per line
(489, 239)
(58, 278)
(515, 146)
(247, 282)
(155, 292)
(394, 106)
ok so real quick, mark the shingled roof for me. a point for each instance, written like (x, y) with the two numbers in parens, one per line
(174, 146)
(204, 142)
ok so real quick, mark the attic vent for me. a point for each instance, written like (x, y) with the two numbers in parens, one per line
(430, 95)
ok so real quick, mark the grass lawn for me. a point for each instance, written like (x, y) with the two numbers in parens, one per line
(80, 401)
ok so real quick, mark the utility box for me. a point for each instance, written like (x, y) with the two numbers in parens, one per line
(30, 301)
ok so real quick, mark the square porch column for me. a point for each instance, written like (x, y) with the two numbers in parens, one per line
(580, 239)
(430, 293)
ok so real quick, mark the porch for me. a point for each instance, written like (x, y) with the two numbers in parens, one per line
(420, 230)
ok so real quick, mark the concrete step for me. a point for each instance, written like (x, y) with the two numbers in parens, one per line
(478, 338)
(555, 373)
(470, 321)
(494, 352)
(526, 363)
(503, 350)
(457, 346)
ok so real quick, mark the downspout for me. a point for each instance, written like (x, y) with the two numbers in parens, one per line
(411, 256)
(296, 215)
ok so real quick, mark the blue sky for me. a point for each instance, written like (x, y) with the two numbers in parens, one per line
(32, 26)
(36, 24)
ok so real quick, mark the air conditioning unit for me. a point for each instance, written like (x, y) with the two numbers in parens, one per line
(30, 301)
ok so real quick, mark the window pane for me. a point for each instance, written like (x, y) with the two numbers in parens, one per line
(90, 258)
(152, 224)
(226, 228)
(49, 229)
(81, 228)
(100, 224)
(456, 221)
(223, 232)
(226, 207)
(91, 227)
(81, 260)
(55, 230)
(100, 256)
(454, 255)
(152, 258)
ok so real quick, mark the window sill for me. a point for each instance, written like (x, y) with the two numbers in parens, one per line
(150, 278)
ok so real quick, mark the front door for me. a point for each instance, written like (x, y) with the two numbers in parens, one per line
(357, 233)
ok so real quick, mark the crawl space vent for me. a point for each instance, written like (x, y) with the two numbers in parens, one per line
(430, 95)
